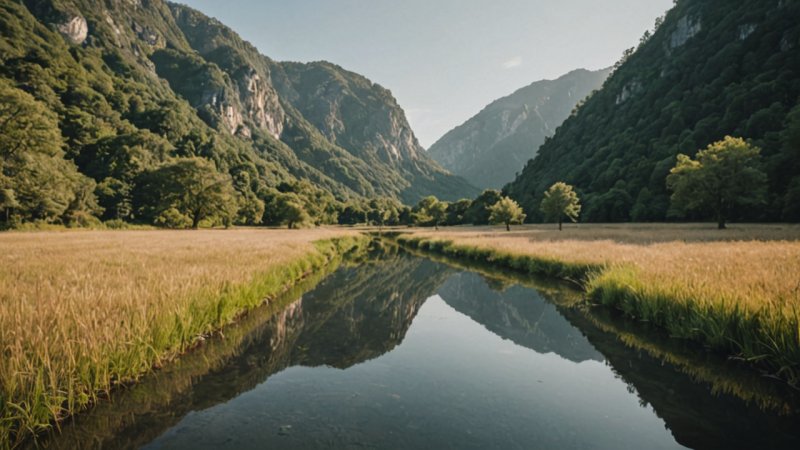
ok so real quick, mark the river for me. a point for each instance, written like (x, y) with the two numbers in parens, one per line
(397, 350)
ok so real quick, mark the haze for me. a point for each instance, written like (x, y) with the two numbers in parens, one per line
(443, 60)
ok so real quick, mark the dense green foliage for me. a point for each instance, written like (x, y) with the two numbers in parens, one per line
(36, 181)
(560, 201)
(710, 69)
(722, 176)
(506, 212)
(184, 192)
(89, 113)
(430, 211)
(478, 212)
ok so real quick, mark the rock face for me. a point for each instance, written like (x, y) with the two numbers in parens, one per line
(364, 119)
(351, 111)
(746, 30)
(687, 28)
(628, 91)
(494, 144)
(252, 98)
(74, 29)
(316, 121)
(358, 121)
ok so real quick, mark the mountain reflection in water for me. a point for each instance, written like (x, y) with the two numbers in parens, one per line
(404, 352)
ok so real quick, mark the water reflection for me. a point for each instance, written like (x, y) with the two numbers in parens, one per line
(404, 352)
(517, 313)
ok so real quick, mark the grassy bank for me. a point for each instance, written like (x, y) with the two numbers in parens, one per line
(737, 297)
(82, 312)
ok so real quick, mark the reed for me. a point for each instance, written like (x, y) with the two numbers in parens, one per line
(84, 311)
(737, 293)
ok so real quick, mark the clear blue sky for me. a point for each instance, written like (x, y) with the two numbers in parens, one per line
(443, 60)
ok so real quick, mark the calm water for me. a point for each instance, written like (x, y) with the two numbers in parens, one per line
(404, 352)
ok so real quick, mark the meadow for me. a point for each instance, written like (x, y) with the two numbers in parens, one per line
(84, 311)
(734, 291)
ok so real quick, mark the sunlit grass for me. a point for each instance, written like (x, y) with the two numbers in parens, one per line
(736, 292)
(83, 311)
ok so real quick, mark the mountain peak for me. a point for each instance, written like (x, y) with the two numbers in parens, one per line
(492, 145)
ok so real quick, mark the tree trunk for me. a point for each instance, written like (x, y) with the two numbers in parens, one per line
(720, 211)
(559, 224)
(196, 220)
(290, 225)
(720, 220)
(435, 226)
(508, 227)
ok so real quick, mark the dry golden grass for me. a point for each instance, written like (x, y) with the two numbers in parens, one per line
(736, 289)
(80, 311)
(752, 266)
(637, 233)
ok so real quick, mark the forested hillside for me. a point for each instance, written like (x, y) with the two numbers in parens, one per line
(490, 148)
(711, 68)
(144, 111)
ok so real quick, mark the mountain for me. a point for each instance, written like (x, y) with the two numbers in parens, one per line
(326, 110)
(99, 93)
(711, 68)
(489, 148)
(514, 313)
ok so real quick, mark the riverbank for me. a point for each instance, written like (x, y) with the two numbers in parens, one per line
(736, 293)
(83, 312)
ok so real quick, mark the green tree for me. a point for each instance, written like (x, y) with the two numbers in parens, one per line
(172, 218)
(456, 211)
(291, 210)
(478, 211)
(430, 211)
(45, 185)
(251, 209)
(506, 211)
(26, 126)
(720, 177)
(192, 186)
(561, 201)
(438, 213)
(8, 202)
(352, 214)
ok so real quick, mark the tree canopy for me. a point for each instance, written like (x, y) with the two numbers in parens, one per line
(561, 201)
(507, 212)
(37, 182)
(430, 211)
(190, 187)
(723, 175)
(478, 211)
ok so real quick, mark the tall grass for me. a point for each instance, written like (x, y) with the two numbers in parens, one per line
(741, 298)
(82, 312)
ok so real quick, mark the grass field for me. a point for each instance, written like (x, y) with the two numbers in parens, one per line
(83, 311)
(736, 291)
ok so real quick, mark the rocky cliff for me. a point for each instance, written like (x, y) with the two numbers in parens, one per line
(148, 70)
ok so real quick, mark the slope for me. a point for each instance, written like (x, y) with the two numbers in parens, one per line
(489, 148)
(712, 68)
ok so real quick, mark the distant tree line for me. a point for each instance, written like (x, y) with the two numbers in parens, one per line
(65, 167)
(725, 175)
(141, 178)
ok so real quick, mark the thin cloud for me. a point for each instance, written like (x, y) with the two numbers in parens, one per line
(513, 62)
